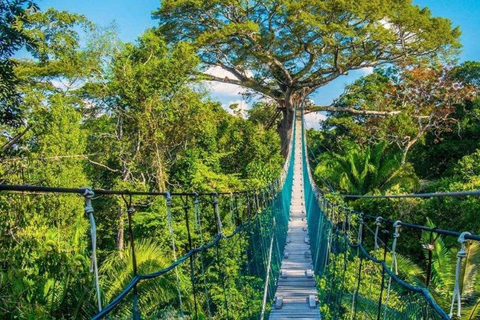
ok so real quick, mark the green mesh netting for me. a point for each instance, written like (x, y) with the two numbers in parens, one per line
(352, 282)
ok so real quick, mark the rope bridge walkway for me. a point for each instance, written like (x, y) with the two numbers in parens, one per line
(281, 252)
(296, 295)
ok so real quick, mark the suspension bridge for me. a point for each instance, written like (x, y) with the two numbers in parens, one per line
(302, 255)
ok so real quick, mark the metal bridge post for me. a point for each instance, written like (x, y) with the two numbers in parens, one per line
(89, 194)
(462, 253)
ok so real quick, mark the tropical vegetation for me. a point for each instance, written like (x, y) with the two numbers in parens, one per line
(79, 107)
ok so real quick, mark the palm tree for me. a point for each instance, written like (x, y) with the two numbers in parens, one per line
(439, 278)
(157, 296)
(442, 274)
(372, 170)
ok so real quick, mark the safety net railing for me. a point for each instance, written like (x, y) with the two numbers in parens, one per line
(361, 273)
(197, 256)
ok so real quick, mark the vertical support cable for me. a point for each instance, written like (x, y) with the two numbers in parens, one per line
(217, 215)
(457, 295)
(231, 209)
(130, 211)
(89, 194)
(247, 246)
(378, 222)
(396, 235)
(265, 199)
(382, 285)
(349, 229)
(318, 243)
(394, 265)
(359, 275)
(333, 240)
(217, 253)
(238, 205)
(247, 205)
(168, 199)
(199, 226)
(196, 205)
(360, 229)
(186, 207)
(345, 260)
(267, 279)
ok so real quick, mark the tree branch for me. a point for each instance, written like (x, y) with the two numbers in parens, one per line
(351, 110)
(249, 84)
(16, 138)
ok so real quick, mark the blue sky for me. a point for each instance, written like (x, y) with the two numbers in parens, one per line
(132, 17)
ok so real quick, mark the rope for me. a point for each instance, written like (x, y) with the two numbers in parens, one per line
(378, 223)
(382, 286)
(238, 206)
(360, 228)
(89, 194)
(217, 253)
(456, 290)
(394, 264)
(186, 207)
(396, 235)
(231, 209)
(345, 260)
(199, 228)
(217, 215)
(130, 211)
(196, 204)
(320, 225)
(267, 279)
(247, 255)
(168, 198)
(359, 274)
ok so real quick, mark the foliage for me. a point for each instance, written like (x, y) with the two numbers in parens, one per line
(85, 109)
(119, 116)
(372, 170)
(285, 50)
(12, 37)
(445, 156)
(402, 105)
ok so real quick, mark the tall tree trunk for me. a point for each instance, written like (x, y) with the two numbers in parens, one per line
(285, 127)
(121, 230)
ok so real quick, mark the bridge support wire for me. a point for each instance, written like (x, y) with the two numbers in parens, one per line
(168, 198)
(89, 194)
(267, 279)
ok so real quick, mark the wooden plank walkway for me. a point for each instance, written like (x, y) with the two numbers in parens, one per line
(296, 283)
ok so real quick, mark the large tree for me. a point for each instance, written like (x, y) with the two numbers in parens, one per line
(13, 15)
(287, 49)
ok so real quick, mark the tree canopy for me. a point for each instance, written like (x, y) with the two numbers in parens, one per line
(285, 49)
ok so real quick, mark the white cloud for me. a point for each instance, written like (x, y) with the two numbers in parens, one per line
(220, 88)
(387, 25)
(64, 84)
(241, 109)
(312, 120)
(366, 71)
